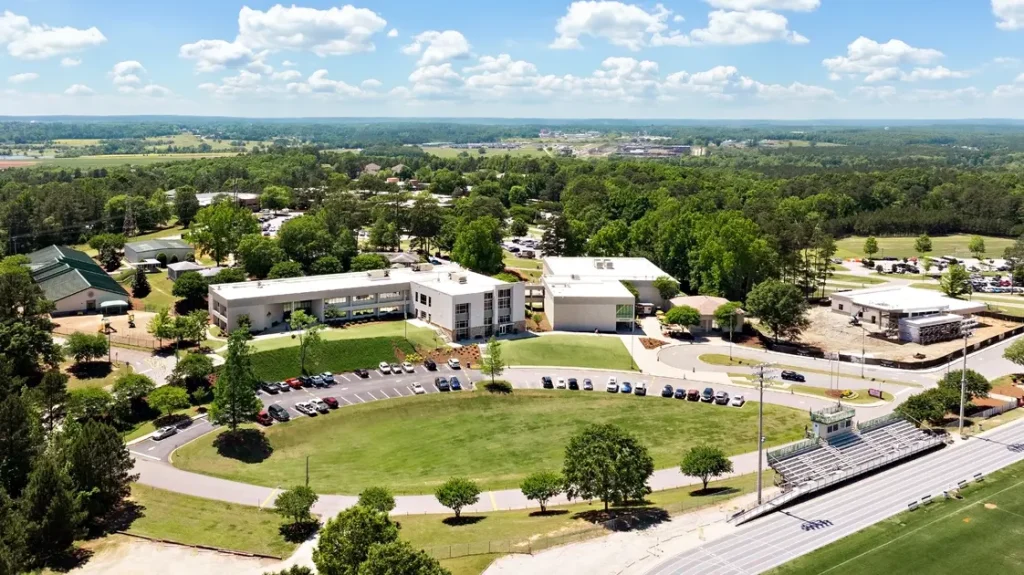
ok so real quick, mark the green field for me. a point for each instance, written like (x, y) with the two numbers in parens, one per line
(602, 352)
(978, 534)
(850, 278)
(419, 336)
(415, 443)
(160, 295)
(336, 356)
(93, 162)
(903, 247)
(196, 521)
(454, 152)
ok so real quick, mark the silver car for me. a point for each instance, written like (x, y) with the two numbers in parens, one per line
(164, 432)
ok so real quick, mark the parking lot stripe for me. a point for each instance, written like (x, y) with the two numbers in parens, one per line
(345, 400)
(400, 394)
(385, 393)
(361, 400)
(345, 377)
(273, 492)
(146, 456)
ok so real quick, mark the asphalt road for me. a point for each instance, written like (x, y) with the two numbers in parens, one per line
(779, 537)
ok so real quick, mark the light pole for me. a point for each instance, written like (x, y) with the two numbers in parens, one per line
(763, 371)
(965, 328)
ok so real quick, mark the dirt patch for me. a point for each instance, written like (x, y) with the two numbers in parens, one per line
(991, 506)
(6, 164)
(467, 354)
(121, 554)
(650, 343)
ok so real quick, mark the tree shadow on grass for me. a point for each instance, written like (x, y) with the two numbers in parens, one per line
(120, 518)
(625, 518)
(714, 491)
(464, 520)
(72, 559)
(245, 445)
(549, 513)
(91, 369)
(299, 532)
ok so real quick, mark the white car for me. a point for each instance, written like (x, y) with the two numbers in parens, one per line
(612, 380)
(164, 432)
(384, 367)
(453, 362)
(418, 389)
(737, 401)
(408, 367)
(612, 387)
(560, 383)
(305, 408)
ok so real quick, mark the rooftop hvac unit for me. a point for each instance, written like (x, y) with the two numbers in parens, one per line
(458, 277)
(599, 263)
(608, 264)
(422, 267)
(378, 274)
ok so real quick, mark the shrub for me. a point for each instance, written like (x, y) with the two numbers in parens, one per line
(162, 258)
(498, 386)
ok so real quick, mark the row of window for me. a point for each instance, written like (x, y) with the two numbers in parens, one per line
(837, 426)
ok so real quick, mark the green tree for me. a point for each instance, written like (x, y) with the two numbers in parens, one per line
(193, 326)
(192, 371)
(384, 235)
(924, 407)
(683, 315)
(283, 270)
(705, 462)
(610, 241)
(305, 239)
(976, 384)
(310, 341)
(399, 558)
(293, 570)
(367, 262)
(21, 440)
(99, 465)
(83, 347)
(563, 238)
(130, 391)
(326, 265)
(89, 403)
(493, 364)
(870, 247)
(14, 552)
(140, 284)
(275, 198)
(258, 254)
(606, 462)
(218, 229)
(425, 219)
(780, 307)
(99, 242)
(456, 493)
(228, 276)
(977, 246)
(346, 540)
(632, 289)
(52, 510)
(191, 287)
(956, 281)
(168, 399)
(445, 182)
(161, 326)
(186, 205)
(519, 228)
(1015, 352)
(923, 245)
(667, 287)
(377, 498)
(296, 503)
(729, 316)
(478, 247)
(542, 486)
(234, 397)
(49, 396)
(25, 339)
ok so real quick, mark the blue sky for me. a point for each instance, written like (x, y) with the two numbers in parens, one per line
(772, 59)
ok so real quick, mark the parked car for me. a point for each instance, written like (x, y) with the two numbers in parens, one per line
(418, 389)
(573, 384)
(667, 391)
(331, 402)
(328, 378)
(680, 393)
(294, 383)
(612, 387)
(546, 383)
(441, 383)
(640, 388)
(722, 398)
(408, 368)
(708, 395)
(362, 373)
(317, 381)
(279, 413)
(612, 379)
(395, 368)
(269, 387)
(560, 384)
(737, 401)
(305, 380)
(384, 367)
(453, 362)
(693, 395)
(588, 385)
(320, 405)
(305, 408)
(430, 364)
(164, 432)
(626, 387)
(455, 384)
(792, 376)
(263, 418)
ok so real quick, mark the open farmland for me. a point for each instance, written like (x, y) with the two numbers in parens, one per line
(903, 247)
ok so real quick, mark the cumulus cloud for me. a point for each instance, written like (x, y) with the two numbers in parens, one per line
(435, 47)
(213, 55)
(874, 62)
(371, 84)
(288, 64)
(742, 5)
(79, 90)
(626, 25)
(936, 73)
(127, 72)
(70, 62)
(393, 33)
(1009, 14)
(752, 27)
(22, 78)
(287, 75)
(319, 83)
(27, 41)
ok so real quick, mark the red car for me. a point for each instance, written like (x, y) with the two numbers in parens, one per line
(263, 418)
(331, 402)
(294, 383)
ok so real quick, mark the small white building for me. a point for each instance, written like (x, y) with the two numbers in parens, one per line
(706, 305)
(912, 314)
(74, 282)
(638, 271)
(174, 250)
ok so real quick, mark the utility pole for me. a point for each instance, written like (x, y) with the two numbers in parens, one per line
(763, 372)
(966, 332)
(130, 226)
(307, 471)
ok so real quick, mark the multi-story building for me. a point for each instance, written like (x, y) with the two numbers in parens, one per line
(464, 304)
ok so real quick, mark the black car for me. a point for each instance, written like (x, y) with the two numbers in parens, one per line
(269, 387)
(362, 373)
(441, 383)
(680, 393)
(573, 384)
(792, 376)
(547, 383)
(279, 413)
(666, 391)
(708, 395)
(430, 364)
(305, 380)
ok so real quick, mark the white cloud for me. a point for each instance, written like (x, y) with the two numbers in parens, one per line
(213, 55)
(1010, 14)
(890, 95)
(936, 73)
(742, 5)
(26, 41)
(70, 62)
(127, 72)
(370, 84)
(436, 47)
(319, 83)
(794, 91)
(625, 25)
(287, 75)
(875, 92)
(393, 33)
(243, 82)
(288, 64)
(876, 62)
(79, 90)
(738, 28)
(22, 78)
(151, 90)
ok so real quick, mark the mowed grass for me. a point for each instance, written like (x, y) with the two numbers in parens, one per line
(413, 444)
(335, 356)
(978, 534)
(419, 336)
(160, 288)
(851, 278)
(601, 352)
(473, 152)
(903, 247)
(196, 521)
(109, 161)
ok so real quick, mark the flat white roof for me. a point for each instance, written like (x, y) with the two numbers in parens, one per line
(932, 319)
(905, 298)
(562, 286)
(605, 268)
(437, 278)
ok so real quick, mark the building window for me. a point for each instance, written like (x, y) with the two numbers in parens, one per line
(461, 309)
(363, 298)
(297, 305)
(423, 299)
(390, 295)
(840, 307)
(389, 309)
(505, 319)
(336, 301)
(461, 324)
(363, 312)
(488, 320)
(624, 312)
(488, 301)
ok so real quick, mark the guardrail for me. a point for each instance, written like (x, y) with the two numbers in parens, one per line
(878, 422)
(791, 450)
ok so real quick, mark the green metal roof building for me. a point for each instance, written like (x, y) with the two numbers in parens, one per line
(74, 282)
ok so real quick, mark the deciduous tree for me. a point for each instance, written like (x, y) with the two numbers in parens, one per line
(258, 254)
(399, 558)
(780, 307)
(870, 247)
(728, 316)
(285, 270)
(346, 540)
(89, 403)
(377, 498)
(308, 329)
(168, 399)
(478, 246)
(456, 493)
(83, 347)
(305, 239)
(542, 486)
(367, 262)
(296, 503)
(705, 462)
(218, 229)
(956, 281)
(977, 246)
(606, 462)
(493, 364)
(667, 287)
(683, 315)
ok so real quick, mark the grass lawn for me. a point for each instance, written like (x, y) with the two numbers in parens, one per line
(949, 536)
(172, 230)
(197, 521)
(336, 356)
(108, 161)
(903, 247)
(94, 374)
(470, 564)
(418, 336)
(862, 394)
(857, 279)
(413, 444)
(454, 152)
(604, 352)
(722, 359)
(512, 261)
(159, 293)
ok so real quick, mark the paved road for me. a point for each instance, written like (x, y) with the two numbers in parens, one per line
(777, 538)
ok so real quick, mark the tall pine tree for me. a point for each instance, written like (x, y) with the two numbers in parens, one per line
(234, 396)
(21, 439)
(13, 549)
(140, 285)
(52, 510)
(99, 466)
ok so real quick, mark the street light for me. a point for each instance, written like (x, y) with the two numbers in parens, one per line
(965, 328)
(763, 372)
